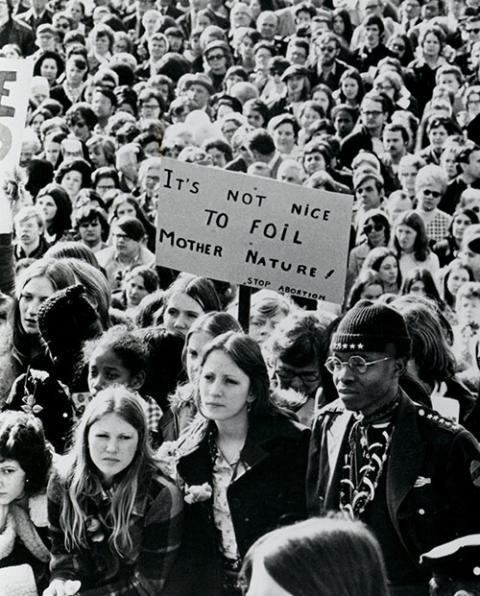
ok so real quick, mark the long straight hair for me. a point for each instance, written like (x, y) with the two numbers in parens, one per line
(83, 480)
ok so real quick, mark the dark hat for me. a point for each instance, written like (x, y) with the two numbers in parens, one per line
(294, 71)
(132, 227)
(457, 560)
(173, 65)
(370, 329)
(199, 79)
(67, 319)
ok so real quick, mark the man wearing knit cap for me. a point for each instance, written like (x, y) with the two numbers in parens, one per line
(127, 251)
(412, 476)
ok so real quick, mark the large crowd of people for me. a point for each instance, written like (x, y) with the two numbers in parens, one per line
(152, 440)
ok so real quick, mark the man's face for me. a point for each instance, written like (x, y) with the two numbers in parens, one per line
(267, 26)
(326, 52)
(450, 81)
(372, 7)
(430, 10)
(368, 194)
(472, 168)
(124, 246)
(372, 114)
(198, 96)
(372, 36)
(26, 154)
(343, 123)
(473, 31)
(411, 9)
(394, 143)
(304, 379)
(365, 392)
(28, 231)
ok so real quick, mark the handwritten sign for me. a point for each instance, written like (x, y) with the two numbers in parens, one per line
(253, 231)
(15, 85)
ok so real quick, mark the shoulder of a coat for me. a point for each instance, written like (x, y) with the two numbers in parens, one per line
(434, 419)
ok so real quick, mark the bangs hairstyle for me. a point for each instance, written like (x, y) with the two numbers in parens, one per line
(246, 354)
(413, 220)
(22, 439)
(200, 289)
(268, 304)
(321, 556)
(299, 339)
(83, 480)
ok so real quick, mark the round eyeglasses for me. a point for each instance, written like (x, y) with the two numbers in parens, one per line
(357, 364)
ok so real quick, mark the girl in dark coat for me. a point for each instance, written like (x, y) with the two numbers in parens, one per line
(244, 447)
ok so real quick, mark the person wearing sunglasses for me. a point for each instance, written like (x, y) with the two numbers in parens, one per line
(430, 185)
(377, 455)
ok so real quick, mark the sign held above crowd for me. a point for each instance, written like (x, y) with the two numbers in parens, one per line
(253, 231)
(15, 84)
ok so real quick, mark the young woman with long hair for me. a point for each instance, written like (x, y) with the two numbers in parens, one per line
(242, 446)
(114, 519)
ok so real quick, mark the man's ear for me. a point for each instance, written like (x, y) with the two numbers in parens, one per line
(400, 365)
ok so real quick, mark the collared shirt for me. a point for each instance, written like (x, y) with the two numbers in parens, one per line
(116, 269)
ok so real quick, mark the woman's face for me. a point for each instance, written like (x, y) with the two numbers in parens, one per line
(295, 84)
(456, 279)
(135, 290)
(375, 232)
(350, 88)
(49, 70)
(239, 18)
(383, 84)
(196, 343)
(180, 313)
(262, 58)
(388, 270)
(203, 22)
(406, 237)
(314, 162)
(102, 44)
(48, 206)
(32, 296)
(431, 46)
(97, 156)
(228, 130)
(256, 9)
(407, 176)
(284, 138)
(125, 209)
(459, 225)
(12, 481)
(72, 183)
(398, 47)
(322, 98)
(418, 288)
(372, 292)
(224, 389)
(253, 117)
(245, 49)
(338, 25)
(112, 445)
(37, 124)
(308, 117)
(437, 137)
(158, 48)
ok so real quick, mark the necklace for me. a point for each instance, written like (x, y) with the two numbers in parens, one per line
(361, 475)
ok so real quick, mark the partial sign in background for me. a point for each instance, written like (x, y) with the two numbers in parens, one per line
(253, 231)
(15, 88)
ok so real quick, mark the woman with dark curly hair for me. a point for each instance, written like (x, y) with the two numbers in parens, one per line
(448, 248)
(49, 65)
(57, 210)
(74, 175)
(25, 461)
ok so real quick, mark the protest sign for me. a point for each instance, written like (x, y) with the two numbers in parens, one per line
(253, 231)
(15, 86)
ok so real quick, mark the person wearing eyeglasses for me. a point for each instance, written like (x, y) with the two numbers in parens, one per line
(430, 185)
(379, 456)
